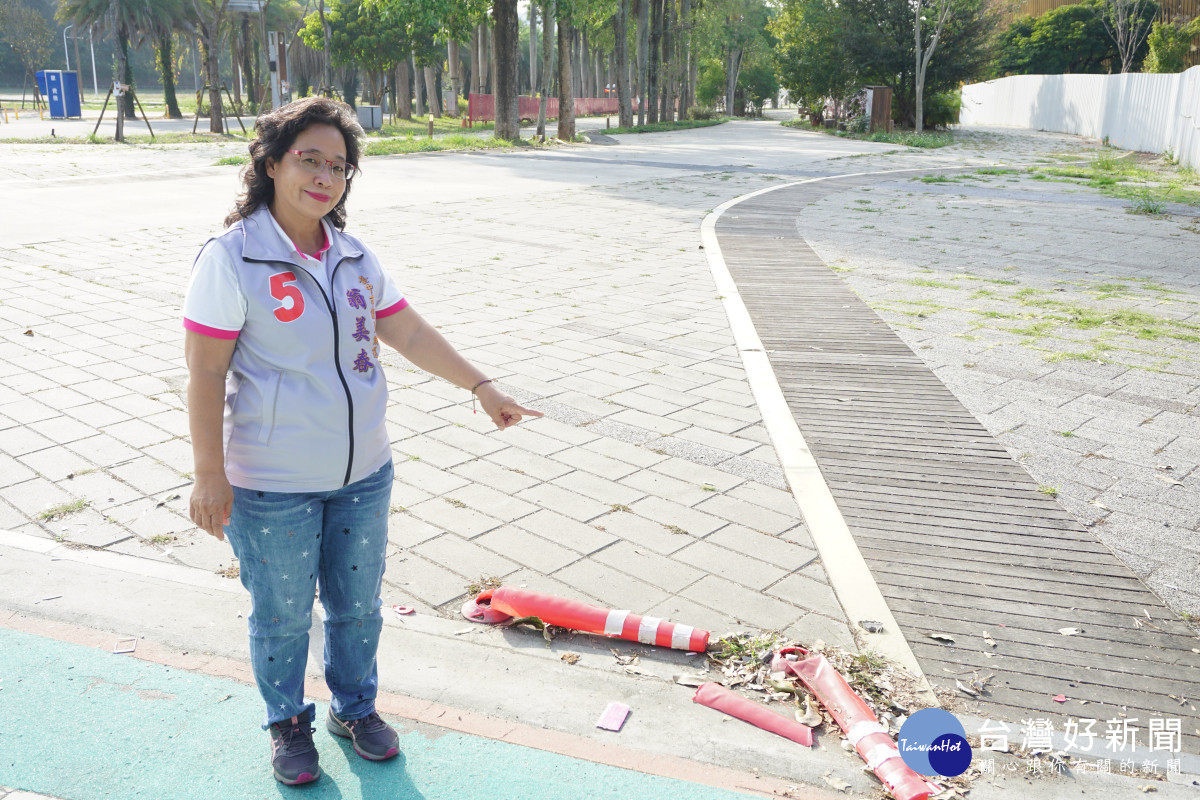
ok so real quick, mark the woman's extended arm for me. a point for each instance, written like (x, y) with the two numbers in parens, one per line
(424, 346)
(208, 362)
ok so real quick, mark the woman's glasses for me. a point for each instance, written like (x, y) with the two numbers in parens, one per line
(314, 163)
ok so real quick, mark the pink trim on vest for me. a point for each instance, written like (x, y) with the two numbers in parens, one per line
(204, 330)
(392, 309)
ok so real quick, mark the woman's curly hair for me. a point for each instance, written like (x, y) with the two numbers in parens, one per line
(276, 133)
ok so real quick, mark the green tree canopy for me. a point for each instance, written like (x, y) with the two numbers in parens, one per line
(855, 43)
(1065, 40)
(809, 58)
(1169, 43)
(28, 33)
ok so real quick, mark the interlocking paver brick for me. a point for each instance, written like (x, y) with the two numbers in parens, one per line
(426, 477)
(602, 490)
(814, 594)
(694, 522)
(29, 410)
(656, 484)
(643, 563)
(643, 532)
(137, 434)
(745, 605)
(567, 532)
(21, 440)
(606, 466)
(467, 558)
(502, 506)
(432, 451)
(748, 514)
(563, 501)
(62, 429)
(451, 514)
(649, 422)
(730, 564)
(783, 553)
(36, 495)
(13, 470)
(526, 548)
(501, 478)
(148, 475)
(416, 576)
(406, 530)
(612, 587)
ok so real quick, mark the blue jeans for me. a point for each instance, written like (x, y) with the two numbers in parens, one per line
(288, 544)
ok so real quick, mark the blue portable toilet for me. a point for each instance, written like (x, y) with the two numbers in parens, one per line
(61, 90)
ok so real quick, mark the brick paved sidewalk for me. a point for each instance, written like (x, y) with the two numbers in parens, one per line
(651, 484)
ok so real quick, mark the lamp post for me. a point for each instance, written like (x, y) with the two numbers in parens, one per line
(92, 45)
(67, 52)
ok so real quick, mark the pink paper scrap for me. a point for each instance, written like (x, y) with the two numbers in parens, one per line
(613, 717)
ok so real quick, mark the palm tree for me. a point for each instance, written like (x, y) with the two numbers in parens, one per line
(162, 20)
(122, 17)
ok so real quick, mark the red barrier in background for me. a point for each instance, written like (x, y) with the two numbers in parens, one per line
(482, 107)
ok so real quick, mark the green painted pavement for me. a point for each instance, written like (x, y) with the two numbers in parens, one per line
(82, 724)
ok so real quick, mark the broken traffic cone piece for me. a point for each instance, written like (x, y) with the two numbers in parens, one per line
(714, 695)
(497, 605)
(862, 727)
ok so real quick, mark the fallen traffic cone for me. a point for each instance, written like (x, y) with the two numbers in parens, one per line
(714, 695)
(858, 721)
(505, 602)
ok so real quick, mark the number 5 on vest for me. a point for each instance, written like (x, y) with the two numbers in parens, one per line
(282, 292)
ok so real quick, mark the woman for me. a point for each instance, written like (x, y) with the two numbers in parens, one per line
(286, 400)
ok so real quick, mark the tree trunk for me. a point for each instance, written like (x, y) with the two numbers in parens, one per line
(473, 83)
(168, 75)
(643, 48)
(431, 93)
(668, 45)
(598, 73)
(918, 77)
(733, 65)
(248, 62)
(418, 89)
(533, 64)
(547, 73)
(566, 94)
(485, 61)
(235, 68)
(326, 71)
(452, 61)
(686, 87)
(653, 54)
(620, 35)
(585, 66)
(125, 71)
(404, 104)
(693, 75)
(506, 20)
(216, 122)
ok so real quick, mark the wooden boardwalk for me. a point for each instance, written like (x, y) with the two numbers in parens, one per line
(957, 534)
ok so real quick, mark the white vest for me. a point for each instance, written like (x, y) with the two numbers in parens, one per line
(306, 396)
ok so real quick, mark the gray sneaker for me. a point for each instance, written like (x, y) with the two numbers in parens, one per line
(293, 754)
(373, 739)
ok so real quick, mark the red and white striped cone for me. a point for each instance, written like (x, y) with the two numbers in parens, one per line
(872, 741)
(566, 613)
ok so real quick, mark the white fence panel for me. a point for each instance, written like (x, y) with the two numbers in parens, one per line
(1151, 113)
